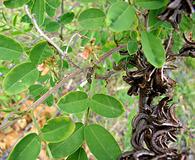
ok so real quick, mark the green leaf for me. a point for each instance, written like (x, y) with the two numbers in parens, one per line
(15, 3)
(52, 26)
(54, 3)
(70, 145)
(106, 106)
(153, 49)
(9, 48)
(80, 154)
(27, 148)
(57, 129)
(151, 4)
(20, 78)
(74, 102)
(39, 10)
(101, 143)
(132, 46)
(120, 17)
(66, 18)
(50, 10)
(40, 52)
(91, 19)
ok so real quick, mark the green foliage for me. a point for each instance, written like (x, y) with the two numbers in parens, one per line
(40, 52)
(14, 3)
(106, 106)
(151, 4)
(120, 17)
(74, 102)
(9, 48)
(70, 145)
(91, 19)
(101, 143)
(91, 32)
(153, 49)
(66, 18)
(80, 154)
(27, 148)
(20, 78)
(38, 10)
(132, 46)
(57, 129)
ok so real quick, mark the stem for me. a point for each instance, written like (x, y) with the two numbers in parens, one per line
(87, 116)
(35, 122)
(49, 40)
(142, 100)
(62, 26)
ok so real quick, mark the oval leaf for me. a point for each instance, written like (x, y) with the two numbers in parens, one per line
(92, 18)
(57, 129)
(80, 154)
(67, 18)
(132, 46)
(73, 102)
(28, 148)
(14, 3)
(40, 52)
(39, 10)
(20, 78)
(101, 143)
(151, 4)
(70, 145)
(120, 16)
(106, 106)
(153, 49)
(9, 48)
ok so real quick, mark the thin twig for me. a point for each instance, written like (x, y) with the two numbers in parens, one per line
(169, 42)
(66, 78)
(34, 22)
(69, 43)
(62, 26)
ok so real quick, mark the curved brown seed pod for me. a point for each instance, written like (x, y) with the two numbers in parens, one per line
(138, 118)
(139, 155)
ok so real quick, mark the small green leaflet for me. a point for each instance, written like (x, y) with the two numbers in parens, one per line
(66, 18)
(9, 48)
(39, 10)
(120, 17)
(91, 19)
(57, 129)
(40, 52)
(15, 3)
(70, 145)
(151, 4)
(106, 106)
(74, 102)
(50, 10)
(80, 154)
(20, 78)
(132, 46)
(27, 148)
(153, 49)
(101, 143)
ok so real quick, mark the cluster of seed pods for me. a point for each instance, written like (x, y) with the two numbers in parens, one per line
(175, 9)
(156, 126)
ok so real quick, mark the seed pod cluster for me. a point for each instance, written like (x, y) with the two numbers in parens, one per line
(155, 127)
(174, 11)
